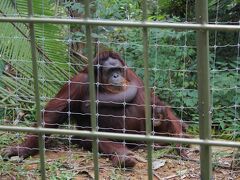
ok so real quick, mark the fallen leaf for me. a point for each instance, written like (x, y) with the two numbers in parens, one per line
(158, 163)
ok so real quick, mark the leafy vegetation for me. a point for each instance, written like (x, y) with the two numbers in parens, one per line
(172, 57)
(16, 90)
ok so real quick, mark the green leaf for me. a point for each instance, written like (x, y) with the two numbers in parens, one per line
(15, 50)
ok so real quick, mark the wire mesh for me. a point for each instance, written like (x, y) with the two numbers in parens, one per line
(155, 42)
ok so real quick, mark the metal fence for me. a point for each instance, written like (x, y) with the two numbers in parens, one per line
(202, 27)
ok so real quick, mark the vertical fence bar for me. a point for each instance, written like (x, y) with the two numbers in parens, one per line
(147, 92)
(204, 89)
(92, 91)
(41, 143)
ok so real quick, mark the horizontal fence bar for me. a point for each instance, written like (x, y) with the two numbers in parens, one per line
(190, 26)
(121, 136)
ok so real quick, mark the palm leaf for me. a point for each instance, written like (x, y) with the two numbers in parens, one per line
(15, 51)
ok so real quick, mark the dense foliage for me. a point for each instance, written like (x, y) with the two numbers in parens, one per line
(172, 56)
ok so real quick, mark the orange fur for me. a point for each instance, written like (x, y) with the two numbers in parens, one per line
(116, 89)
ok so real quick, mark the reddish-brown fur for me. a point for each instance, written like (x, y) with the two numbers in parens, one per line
(70, 99)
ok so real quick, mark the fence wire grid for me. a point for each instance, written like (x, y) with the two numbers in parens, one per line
(178, 60)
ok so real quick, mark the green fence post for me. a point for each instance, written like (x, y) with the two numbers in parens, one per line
(204, 89)
(147, 92)
(92, 91)
(41, 142)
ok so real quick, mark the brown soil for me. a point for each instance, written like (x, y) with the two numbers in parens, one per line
(80, 163)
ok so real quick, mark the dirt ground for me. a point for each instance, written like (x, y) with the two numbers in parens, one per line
(79, 163)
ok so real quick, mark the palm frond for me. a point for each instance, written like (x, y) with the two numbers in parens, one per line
(15, 51)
